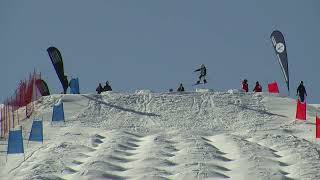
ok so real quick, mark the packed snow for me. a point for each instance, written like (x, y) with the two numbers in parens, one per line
(190, 135)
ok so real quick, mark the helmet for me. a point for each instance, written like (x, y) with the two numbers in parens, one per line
(202, 66)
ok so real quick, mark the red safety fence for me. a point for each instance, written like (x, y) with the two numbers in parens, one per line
(20, 105)
(301, 113)
(317, 126)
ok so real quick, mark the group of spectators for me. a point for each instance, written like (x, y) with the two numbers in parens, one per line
(245, 86)
(101, 89)
(301, 91)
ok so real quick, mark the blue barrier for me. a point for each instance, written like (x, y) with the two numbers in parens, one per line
(58, 112)
(74, 86)
(15, 142)
(36, 133)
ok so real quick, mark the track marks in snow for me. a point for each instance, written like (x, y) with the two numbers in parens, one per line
(250, 159)
(152, 111)
(69, 170)
(126, 155)
(98, 174)
(190, 150)
(76, 163)
(96, 140)
(83, 156)
(199, 105)
(179, 143)
(152, 158)
(296, 154)
(144, 102)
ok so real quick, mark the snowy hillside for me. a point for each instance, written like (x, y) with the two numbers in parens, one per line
(195, 135)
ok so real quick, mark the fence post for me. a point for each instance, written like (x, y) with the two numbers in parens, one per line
(1, 128)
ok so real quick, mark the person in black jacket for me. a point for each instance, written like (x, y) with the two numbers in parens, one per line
(99, 89)
(301, 91)
(107, 87)
(203, 73)
(181, 88)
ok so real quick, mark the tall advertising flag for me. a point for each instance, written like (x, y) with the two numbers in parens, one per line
(281, 52)
(43, 87)
(57, 62)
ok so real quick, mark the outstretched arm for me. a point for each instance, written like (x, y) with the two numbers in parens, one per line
(305, 92)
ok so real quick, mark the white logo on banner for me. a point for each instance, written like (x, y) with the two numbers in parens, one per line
(280, 47)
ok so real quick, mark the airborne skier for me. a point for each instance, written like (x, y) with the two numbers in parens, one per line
(203, 73)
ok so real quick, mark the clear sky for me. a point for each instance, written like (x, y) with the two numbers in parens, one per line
(157, 44)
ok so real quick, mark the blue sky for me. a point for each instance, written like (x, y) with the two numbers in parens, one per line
(156, 45)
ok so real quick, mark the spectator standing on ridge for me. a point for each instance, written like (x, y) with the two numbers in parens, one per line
(301, 91)
(258, 87)
(107, 87)
(203, 73)
(181, 88)
(99, 89)
(245, 86)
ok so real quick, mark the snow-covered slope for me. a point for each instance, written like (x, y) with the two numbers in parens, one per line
(145, 135)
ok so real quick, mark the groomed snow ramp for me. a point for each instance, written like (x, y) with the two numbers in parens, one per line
(190, 135)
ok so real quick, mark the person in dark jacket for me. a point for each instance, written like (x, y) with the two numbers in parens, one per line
(99, 89)
(245, 86)
(301, 91)
(258, 87)
(107, 87)
(181, 88)
(203, 73)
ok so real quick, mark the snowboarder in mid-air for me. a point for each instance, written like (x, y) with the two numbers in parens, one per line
(203, 73)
